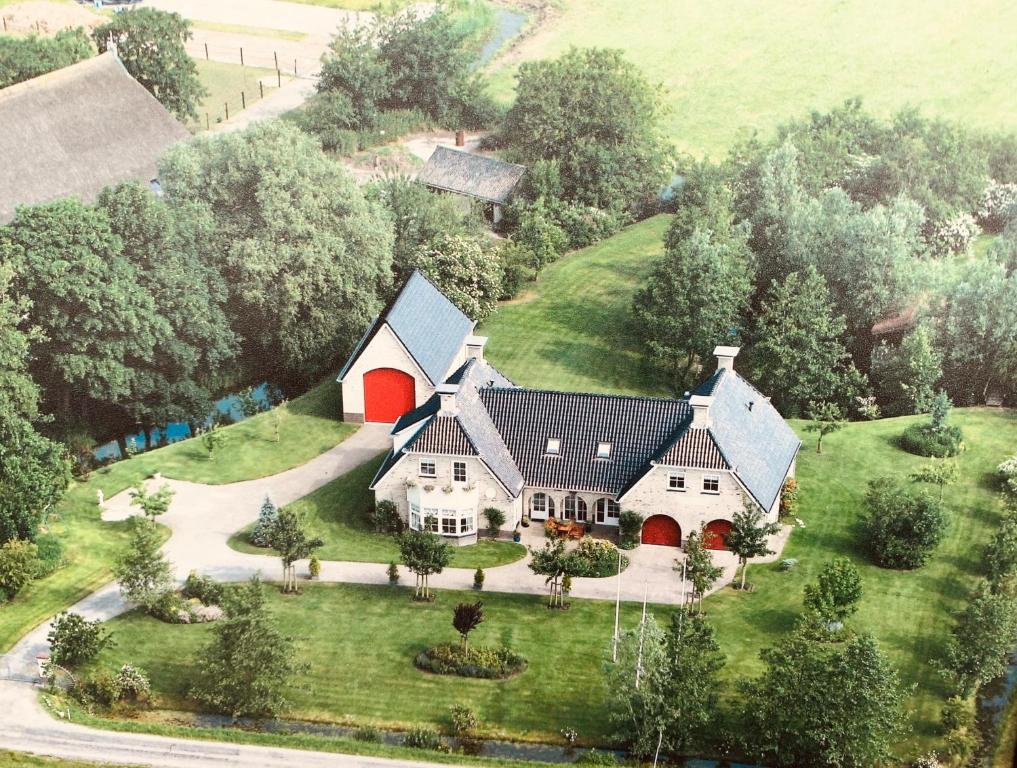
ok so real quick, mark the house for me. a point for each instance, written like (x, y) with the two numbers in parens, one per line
(468, 438)
(474, 177)
(77, 130)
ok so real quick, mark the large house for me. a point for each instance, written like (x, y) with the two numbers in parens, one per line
(465, 438)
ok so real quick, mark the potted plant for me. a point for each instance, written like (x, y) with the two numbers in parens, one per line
(516, 536)
(393, 573)
(447, 488)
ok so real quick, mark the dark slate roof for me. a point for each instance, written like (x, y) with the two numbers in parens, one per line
(428, 408)
(77, 130)
(465, 173)
(695, 448)
(755, 440)
(442, 435)
(430, 326)
(636, 427)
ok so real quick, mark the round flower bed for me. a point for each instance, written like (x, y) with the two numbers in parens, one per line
(475, 661)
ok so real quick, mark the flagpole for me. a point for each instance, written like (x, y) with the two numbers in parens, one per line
(617, 611)
(642, 630)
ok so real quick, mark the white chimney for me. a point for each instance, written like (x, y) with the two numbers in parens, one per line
(725, 357)
(475, 347)
(447, 393)
(701, 411)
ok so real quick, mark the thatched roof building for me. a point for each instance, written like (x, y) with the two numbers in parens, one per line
(464, 173)
(77, 130)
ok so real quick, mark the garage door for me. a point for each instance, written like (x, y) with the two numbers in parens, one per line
(661, 529)
(388, 394)
(714, 533)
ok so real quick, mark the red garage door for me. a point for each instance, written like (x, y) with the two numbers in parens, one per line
(388, 394)
(714, 533)
(661, 529)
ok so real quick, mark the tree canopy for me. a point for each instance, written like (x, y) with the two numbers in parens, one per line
(22, 58)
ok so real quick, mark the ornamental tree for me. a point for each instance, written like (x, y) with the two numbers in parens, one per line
(424, 553)
(698, 566)
(266, 519)
(939, 472)
(247, 663)
(142, 570)
(824, 419)
(152, 504)
(553, 564)
(73, 640)
(466, 617)
(748, 535)
(150, 43)
(288, 537)
(836, 593)
(466, 269)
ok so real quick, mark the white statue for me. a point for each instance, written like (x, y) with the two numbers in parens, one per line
(102, 498)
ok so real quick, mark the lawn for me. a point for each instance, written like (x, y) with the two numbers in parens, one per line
(907, 611)
(23, 760)
(243, 29)
(336, 514)
(730, 68)
(224, 83)
(571, 329)
(308, 427)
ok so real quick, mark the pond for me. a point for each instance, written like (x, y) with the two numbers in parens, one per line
(179, 430)
(507, 24)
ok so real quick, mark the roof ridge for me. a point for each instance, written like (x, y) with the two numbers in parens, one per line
(62, 73)
(614, 396)
(458, 151)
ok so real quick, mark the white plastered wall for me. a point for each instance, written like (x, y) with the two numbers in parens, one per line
(384, 351)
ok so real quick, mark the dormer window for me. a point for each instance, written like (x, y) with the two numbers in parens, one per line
(553, 446)
(603, 450)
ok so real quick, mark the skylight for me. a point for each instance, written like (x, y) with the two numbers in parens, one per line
(553, 446)
(603, 450)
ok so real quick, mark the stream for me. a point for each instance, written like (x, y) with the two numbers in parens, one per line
(507, 24)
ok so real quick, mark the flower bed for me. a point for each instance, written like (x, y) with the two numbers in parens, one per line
(475, 661)
(925, 440)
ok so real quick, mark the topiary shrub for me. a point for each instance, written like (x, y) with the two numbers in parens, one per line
(393, 573)
(630, 526)
(314, 567)
(901, 529)
(478, 579)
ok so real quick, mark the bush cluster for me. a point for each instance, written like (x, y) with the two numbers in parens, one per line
(384, 517)
(595, 558)
(204, 588)
(106, 689)
(630, 526)
(901, 529)
(175, 609)
(475, 661)
(925, 440)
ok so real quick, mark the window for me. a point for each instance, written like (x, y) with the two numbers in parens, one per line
(466, 521)
(459, 471)
(676, 481)
(541, 506)
(575, 509)
(603, 450)
(613, 509)
(553, 446)
(448, 522)
(607, 510)
(431, 520)
(414, 517)
(711, 484)
(427, 468)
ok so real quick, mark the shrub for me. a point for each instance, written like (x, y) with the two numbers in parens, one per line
(1007, 474)
(961, 731)
(19, 562)
(585, 225)
(368, 733)
(478, 579)
(132, 684)
(423, 738)
(384, 518)
(314, 567)
(462, 720)
(204, 588)
(595, 558)
(789, 498)
(540, 235)
(517, 268)
(332, 118)
(73, 640)
(393, 573)
(998, 206)
(50, 554)
(630, 526)
(475, 661)
(266, 520)
(901, 529)
(168, 607)
(923, 440)
(595, 757)
(495, 520)
(955, 235)
(100, 689)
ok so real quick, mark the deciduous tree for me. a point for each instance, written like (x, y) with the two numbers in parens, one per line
(835, 594)
(466, 617)
(424, 553)
(825, 418)
(73, 640)
(981, 639)
(748, 535)
(142, 570)
(288, 537)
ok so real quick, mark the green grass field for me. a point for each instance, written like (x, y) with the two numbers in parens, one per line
(23, 760)
(243, 29)
(224, 83)
(907, 611)
(336, 513)
(308, 427)
(571, 329)
(733, 67)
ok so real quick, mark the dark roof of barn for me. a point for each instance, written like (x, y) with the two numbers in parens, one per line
(465, 173)
(430, 326)
(77, 130)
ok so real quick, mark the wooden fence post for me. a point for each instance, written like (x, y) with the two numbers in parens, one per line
(276, 55)
(227, 110)
(206, 51)
(278, 77)
(295, 68)
(243, 100)
(261, 87)
(241, 55)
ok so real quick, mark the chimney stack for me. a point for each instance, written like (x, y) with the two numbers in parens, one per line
(701, 411)
(447, 393)
(726, 356)
(460, 138)
(475, 347)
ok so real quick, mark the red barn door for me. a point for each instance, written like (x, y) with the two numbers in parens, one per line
(388, 394)
(661, 529)
(714, 533)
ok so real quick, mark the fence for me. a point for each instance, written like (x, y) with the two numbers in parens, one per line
(303, 64)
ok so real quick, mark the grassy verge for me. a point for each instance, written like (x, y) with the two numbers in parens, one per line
(336, 513)
(908, 612)
(1005, 753)
(308, 427)
(571, 329)
(243, 29)
(754, 68)
(24, 760)
(225, 83)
